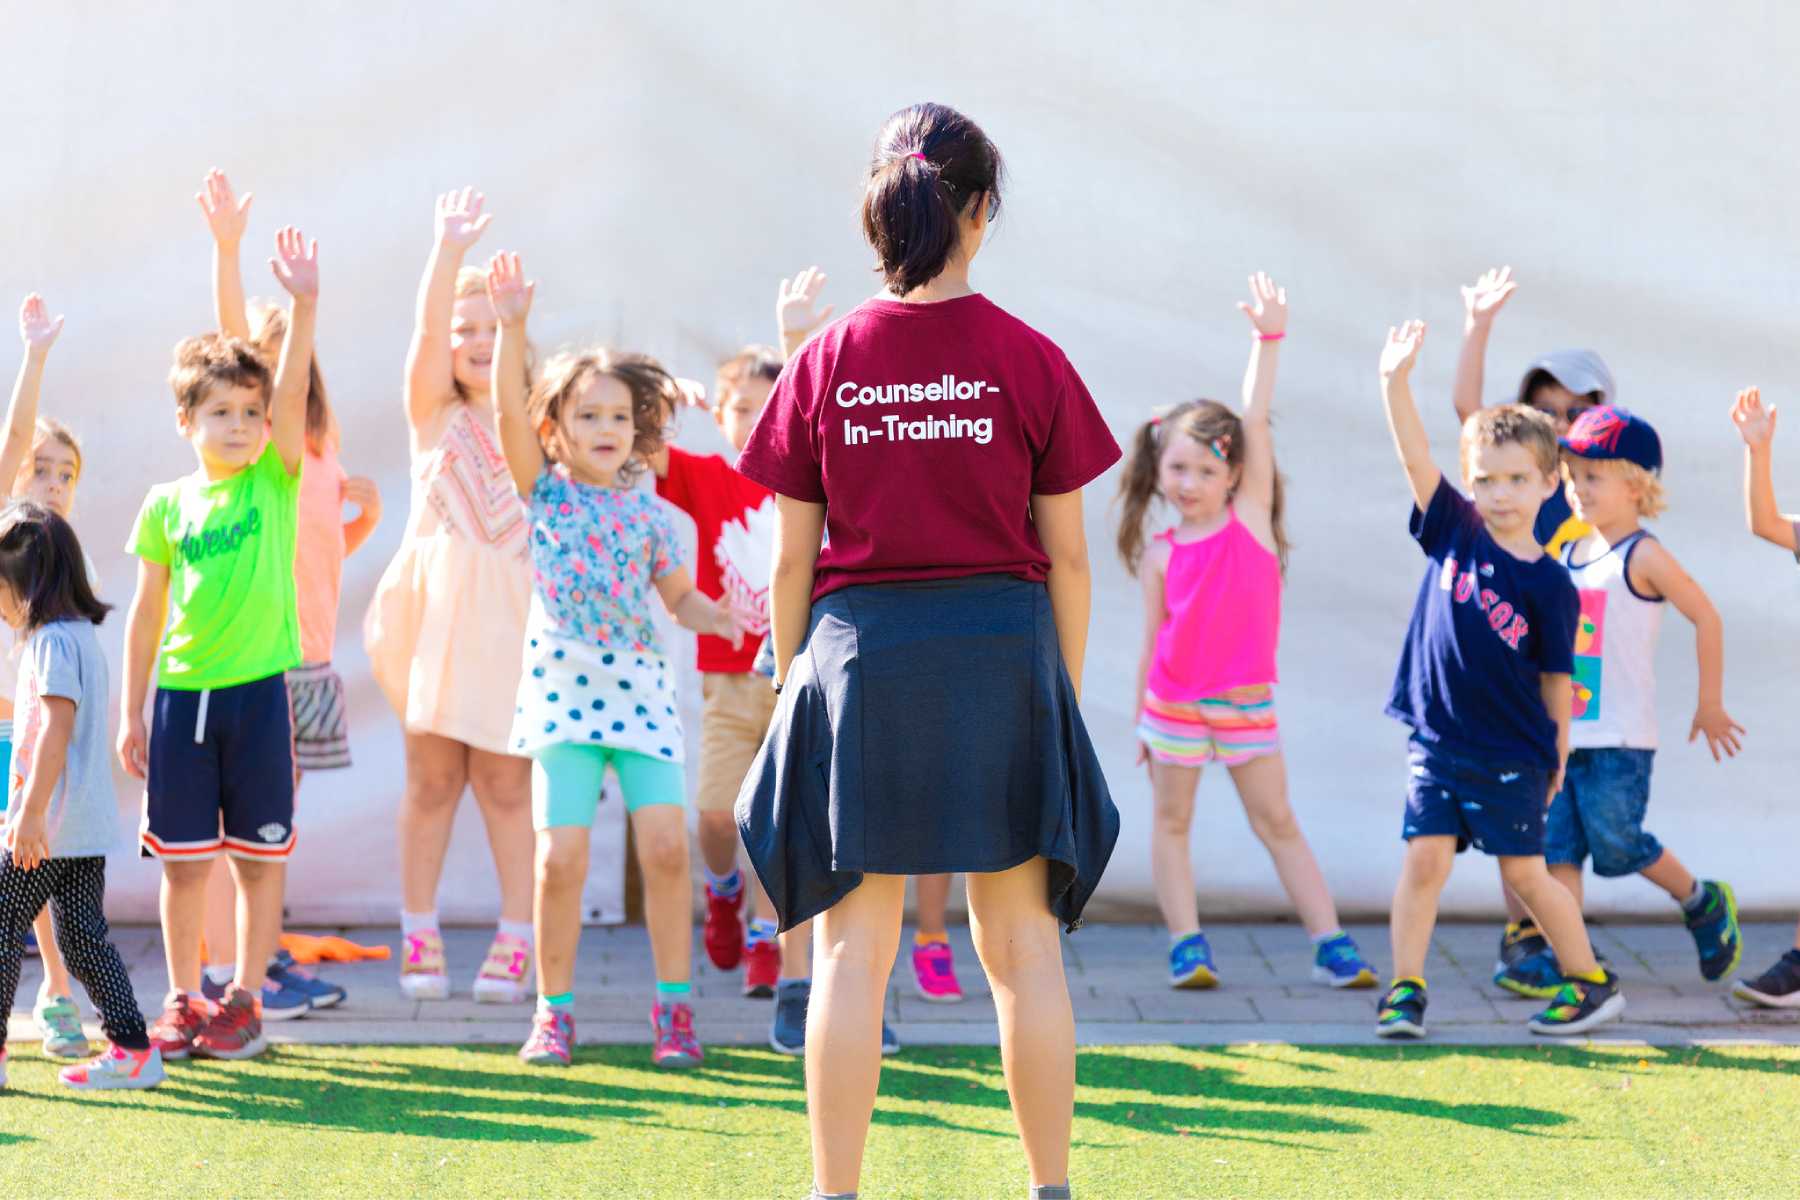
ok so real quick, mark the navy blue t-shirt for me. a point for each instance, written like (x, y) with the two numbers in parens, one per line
(1555, 513)
(1486, 625)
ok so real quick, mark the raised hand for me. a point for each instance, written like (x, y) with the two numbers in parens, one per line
(1755, 424)
(795, 315)
(1402, 349)
(460, 221)
(1267, 306)
(693, 392)
(1721, 731)
(1484, 301)
(36, 326)
(507, 290)
(226, 215)
(296, 263)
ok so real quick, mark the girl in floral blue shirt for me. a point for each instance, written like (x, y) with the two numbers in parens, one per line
(596, 690)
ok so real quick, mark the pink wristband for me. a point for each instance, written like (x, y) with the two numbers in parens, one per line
(1271, 337)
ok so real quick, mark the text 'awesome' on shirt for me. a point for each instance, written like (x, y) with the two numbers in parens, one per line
(1485, 628)
(925, 429)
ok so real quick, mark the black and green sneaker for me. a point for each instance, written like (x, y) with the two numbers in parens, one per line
(1402, 1010)
(1714, 924)
(1580, 1006)
(1527, 966)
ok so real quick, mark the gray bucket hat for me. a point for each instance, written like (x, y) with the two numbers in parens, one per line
(1581, 371)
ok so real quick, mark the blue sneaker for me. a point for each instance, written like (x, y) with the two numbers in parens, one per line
(787, 1029)
(1402, 1012)
(289, 974)
(1715, 930)
(278, 1003)
(1339, 963)
(1191, 963)
(1535, 975)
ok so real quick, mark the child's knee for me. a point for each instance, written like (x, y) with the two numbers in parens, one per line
(1274, 823)
(663, 852)
(187, 876)
(562, 862)
(1524, 875)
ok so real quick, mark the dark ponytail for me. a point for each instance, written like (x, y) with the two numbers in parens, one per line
(929, 161)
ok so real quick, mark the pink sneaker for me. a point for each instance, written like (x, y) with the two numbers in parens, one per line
(934, 973)
(117, 1068)
(676, 1045)
(552, 1040)
(505, 976)
(423, 975)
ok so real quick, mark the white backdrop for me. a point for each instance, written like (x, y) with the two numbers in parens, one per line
(661, 167)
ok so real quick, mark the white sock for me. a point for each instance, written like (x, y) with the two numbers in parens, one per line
(222, 973)
(518, 929)
(411, 923)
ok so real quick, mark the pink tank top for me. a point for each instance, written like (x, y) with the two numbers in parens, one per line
(1223, 594)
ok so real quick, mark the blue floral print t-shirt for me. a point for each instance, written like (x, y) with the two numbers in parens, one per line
(595, 668)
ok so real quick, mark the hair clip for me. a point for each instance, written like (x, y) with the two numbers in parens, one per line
(920, 155)
(1221, 445)
(1156, 420)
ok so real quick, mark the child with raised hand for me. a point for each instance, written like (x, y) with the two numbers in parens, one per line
(1779, 986)
(323, 540)
(215, 613)
(1612, 460)
(64, 816)
(598, 691)
(1212, 616)
(1484, 685)
(40, 460)
(458, 586)
(1562, 385)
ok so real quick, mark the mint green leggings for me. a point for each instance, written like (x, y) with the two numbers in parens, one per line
(566, 780)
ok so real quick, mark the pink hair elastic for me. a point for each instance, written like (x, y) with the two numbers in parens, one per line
(920, 155)
(1270, 337)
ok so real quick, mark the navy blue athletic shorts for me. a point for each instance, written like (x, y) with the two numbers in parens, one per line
(221, 774)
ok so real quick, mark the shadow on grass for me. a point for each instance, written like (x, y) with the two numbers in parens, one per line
(1620, 1058)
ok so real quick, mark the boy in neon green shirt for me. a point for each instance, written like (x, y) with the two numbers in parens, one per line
(215, 610)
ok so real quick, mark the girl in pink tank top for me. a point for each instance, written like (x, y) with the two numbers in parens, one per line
(1205, 687)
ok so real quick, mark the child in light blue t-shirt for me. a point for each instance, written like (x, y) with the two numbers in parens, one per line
(63, 815)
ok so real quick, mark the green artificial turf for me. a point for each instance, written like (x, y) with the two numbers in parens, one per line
(1151, 1121)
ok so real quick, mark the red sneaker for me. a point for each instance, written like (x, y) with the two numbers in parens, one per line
(762, 967)
(676, 1046)
(183, 1017)
(724, 932)
(235, 1029)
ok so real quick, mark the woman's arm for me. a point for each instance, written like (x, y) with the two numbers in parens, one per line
(511, 298)
(226, 217)
(1062, 531)
(429, 382)
(799, 535)
(38, 330)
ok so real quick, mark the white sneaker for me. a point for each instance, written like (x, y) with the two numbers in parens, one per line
(117, 1068)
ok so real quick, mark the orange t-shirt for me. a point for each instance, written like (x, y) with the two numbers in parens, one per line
(319, 553)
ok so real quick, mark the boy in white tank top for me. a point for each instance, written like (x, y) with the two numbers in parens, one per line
(1612, 460)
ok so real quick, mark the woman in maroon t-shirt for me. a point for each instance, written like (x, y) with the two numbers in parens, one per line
(930, 653)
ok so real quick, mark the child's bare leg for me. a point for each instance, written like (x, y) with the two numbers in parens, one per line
(1569, 875)
(260, 887)
(1515, 907)
(1171, 867)
(437, 771)
(502, 786)
(796, 952)
(660, 831)
(183, 911)
(1422, 875)
(1557, 913)
(1262, 786)
(1667, 873)
(221, 916)
(56, 972)
(562, 866)
(934, 904)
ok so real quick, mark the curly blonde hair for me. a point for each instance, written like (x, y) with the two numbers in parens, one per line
(1651, 502)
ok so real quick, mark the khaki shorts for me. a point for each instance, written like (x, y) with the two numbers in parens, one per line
(734, 717)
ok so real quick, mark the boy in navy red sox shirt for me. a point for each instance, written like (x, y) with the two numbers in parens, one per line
(1484, 683)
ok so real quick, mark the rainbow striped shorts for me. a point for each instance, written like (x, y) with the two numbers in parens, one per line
(1232, 729)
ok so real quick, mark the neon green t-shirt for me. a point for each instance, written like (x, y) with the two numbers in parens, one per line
(229, 547)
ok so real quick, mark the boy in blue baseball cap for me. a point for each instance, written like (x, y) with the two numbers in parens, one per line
(1612, 462)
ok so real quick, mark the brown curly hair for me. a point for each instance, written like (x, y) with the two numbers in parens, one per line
(654, 397)
(213, 359)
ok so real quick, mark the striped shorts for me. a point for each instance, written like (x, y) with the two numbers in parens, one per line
(321, 726)
(1232, 729)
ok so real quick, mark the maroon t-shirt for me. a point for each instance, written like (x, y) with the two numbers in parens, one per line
(925, 429)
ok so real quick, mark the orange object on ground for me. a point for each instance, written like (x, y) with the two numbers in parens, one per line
(308, 949)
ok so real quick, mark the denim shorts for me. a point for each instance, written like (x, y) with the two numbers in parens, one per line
(1498, 808)
(1600, 813)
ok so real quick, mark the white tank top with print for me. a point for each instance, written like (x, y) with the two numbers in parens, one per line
(1615, 651)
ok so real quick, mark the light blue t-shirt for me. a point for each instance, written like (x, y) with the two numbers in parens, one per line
(64, 659)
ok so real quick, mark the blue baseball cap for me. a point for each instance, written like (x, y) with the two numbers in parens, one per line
(1611, 432)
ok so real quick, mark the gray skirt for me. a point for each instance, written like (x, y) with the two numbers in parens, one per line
(926, 727)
